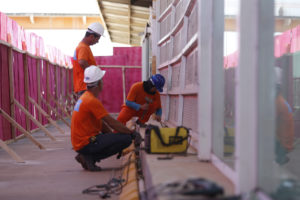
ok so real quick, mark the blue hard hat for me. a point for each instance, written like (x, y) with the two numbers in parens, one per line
(158, 81)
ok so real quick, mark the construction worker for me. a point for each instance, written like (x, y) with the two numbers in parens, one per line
(83, 56)
(92, 127)
(143, 100)
(284, 123)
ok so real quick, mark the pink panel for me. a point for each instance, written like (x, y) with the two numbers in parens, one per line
(15, 33)
(52, 85)
(32, 86)
(19, 89)
(5, 127)
(28, 41)
(3, 28)
(190, 108)
(112, 93)
(44, 89)
(134, 55)
(295, 43)
(132, 75)
(9, 30)
(70, 71)
(232, 59)
(111, 60)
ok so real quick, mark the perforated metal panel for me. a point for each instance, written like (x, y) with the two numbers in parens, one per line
(191, 72)
(190, 107)
(179, 11)
(164, 4)
(174, 100)
(164, 51)
(175, 75)
(163, 99)
(192, 22)
(177, 43)
(165, 26)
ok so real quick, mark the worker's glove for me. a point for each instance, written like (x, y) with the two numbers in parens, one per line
(136, 136)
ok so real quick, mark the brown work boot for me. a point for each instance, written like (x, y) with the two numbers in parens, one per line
(87, 162)
(91, 163)
(79, 158)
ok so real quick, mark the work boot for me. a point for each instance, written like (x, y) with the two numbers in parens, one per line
(91, 164)
(79, 158)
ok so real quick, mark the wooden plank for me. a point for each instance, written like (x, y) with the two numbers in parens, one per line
(13, 154)
(11, 89)
(34, 120)
(46, 115)
(55, 111)
(26, 133)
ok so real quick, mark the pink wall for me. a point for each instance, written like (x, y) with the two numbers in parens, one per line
(129, 58)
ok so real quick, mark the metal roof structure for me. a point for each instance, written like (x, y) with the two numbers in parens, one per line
(125, 20)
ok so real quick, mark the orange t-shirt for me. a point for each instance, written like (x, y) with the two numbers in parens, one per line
(82, 52)
(138, 95)
(284, 123)
(86, 120)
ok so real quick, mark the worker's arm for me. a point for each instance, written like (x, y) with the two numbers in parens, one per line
(83, 64)
(116, 125)
(105, 128)
(137, 106)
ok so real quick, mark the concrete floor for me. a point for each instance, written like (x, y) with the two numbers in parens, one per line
(49, 174)
(54, 174)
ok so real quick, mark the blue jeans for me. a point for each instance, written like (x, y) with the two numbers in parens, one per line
(106, 145)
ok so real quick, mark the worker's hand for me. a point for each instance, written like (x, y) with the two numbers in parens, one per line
(144, 106)
(158, 118)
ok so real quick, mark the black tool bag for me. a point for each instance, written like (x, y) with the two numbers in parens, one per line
(166, 140)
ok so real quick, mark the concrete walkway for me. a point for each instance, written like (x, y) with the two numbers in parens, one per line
(49, 174)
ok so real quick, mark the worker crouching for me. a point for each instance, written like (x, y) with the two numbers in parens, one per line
(143, 100)
(95, 135)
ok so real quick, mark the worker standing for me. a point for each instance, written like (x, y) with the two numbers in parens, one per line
(83, 56)
(95, 135)
(143, 100)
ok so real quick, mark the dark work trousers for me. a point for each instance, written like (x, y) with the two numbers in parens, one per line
(106, 145)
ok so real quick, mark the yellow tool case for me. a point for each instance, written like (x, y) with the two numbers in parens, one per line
(166, 140)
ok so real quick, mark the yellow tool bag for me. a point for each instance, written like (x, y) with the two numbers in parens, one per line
(166, 140)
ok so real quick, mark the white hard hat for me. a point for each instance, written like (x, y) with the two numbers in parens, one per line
(96, 28)
(93, 74)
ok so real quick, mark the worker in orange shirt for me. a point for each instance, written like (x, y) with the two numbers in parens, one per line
(83, 56)
(284, 123)
(143, 100)
(95, 135)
